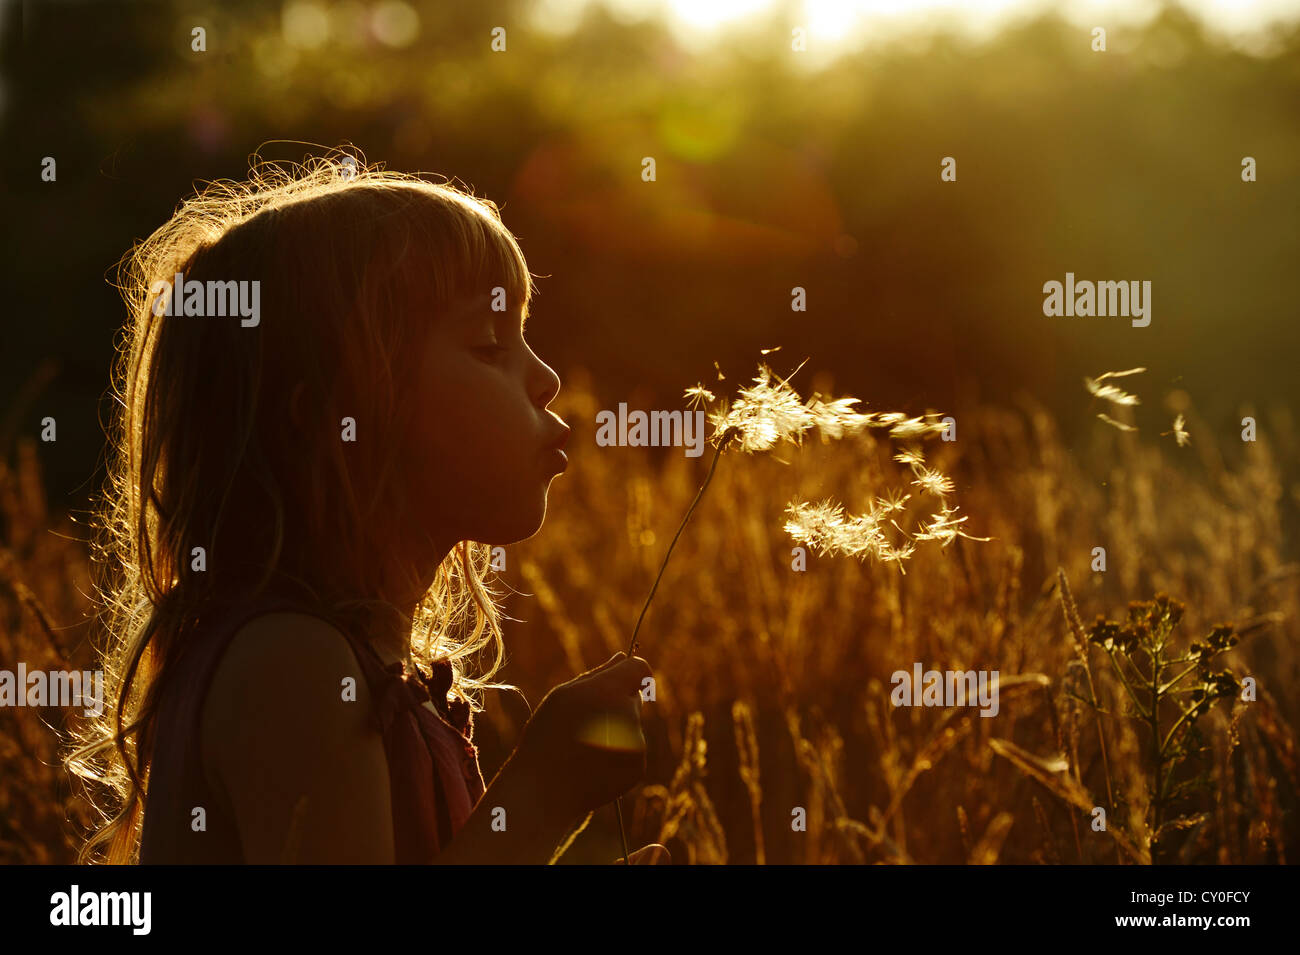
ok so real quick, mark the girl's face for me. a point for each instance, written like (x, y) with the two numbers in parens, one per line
(486, 448)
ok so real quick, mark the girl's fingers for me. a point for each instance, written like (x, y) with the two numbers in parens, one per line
(620, 675)
(604, 666)
(632, 674)
(654, 854)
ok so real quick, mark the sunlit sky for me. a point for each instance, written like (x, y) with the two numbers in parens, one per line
(837, 26)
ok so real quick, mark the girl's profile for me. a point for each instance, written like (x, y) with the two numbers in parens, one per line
(299, 521)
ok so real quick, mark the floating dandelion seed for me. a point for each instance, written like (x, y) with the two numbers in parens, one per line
(1113, 394)
(836, 418)
(1116, 424)
(895, 499)
(768, 351)
(1110, 393)
(898, 554)
(915, 427)
(1180, 435)
(699, 396)
(828, 530)
(1120, 374)
(933, 482)
(944, 527)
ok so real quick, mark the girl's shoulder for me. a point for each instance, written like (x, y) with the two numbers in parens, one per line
(280, 667)
(257, 676)
(276, 696)
(261, 655)
(287, 722)
(284, 644)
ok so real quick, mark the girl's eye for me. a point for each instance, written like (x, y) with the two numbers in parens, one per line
(490, 351)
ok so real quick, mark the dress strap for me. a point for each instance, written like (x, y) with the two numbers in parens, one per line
(397, 683)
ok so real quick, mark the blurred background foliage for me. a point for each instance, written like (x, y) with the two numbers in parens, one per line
(775, 170)
(771, 174)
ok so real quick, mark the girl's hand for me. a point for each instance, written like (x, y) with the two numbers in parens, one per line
(584, 744)
(653, 854)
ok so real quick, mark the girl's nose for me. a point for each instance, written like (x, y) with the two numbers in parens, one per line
(547, 384)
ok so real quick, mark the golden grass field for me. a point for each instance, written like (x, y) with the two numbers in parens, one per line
(773, 684)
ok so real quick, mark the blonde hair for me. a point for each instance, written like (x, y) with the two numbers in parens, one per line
(343, 251)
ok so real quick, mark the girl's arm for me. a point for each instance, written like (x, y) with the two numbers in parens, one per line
(582, 747)
(533, 826)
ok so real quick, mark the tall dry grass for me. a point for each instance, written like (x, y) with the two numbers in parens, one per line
(773, 685)
(45, 612)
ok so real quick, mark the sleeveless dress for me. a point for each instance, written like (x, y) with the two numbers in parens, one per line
(432, 761)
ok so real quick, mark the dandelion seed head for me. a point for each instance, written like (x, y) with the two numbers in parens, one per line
(764, 414)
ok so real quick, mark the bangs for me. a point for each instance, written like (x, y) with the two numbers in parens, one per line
(474, 250)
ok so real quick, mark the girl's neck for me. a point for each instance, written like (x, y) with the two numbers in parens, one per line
(390, 636)
(389, 633)
(392, 650)
(388, 630)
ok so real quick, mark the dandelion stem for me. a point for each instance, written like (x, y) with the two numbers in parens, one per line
(618, 807)
(717, 453)
(698, 494)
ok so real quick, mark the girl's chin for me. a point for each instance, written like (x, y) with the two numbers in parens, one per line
(527, 525)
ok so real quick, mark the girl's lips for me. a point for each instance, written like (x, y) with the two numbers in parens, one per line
(559, 460)
(562, 438)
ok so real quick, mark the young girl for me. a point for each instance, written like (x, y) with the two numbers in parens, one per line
(328, 415)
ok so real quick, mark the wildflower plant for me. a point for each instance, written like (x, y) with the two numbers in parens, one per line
(1168, 690)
